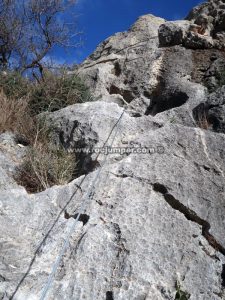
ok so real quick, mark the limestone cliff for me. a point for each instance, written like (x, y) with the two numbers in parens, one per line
(153, 226)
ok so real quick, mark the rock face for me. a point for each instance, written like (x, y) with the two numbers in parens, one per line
(212, 112)
(126, 64)
(153, 222)
(12, 152)
(212, 14)
(204, 28)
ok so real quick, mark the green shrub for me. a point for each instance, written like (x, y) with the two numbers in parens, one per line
(181, 295)
(58, 91)
(21, 100)
(14, 85)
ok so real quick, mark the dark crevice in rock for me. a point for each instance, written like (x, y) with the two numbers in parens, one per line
(119, 240)
(99, 202)
(114, 90)
(213, 256)
(79, 242)
(19, 139)
(121, 175)
(134, 114)
(117, 69)
(159, 188)
(66, 215)
(190, 215)
(109, 295)
(121, 254)
(101, 62)
(87, 164)
(207, 117)
(126, 94)
(147, 94)
(163, 102)
(124, 176)
(200, 115)
(84, 218)
(2, 279)
(223, 275)
(207, 168)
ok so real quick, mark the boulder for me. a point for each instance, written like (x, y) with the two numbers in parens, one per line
(80, 127)
(198, 41)
(172, 33)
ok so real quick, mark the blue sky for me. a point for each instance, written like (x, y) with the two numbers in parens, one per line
(98, 19)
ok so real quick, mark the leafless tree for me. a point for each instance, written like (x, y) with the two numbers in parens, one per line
(10, 28)
(30, 29)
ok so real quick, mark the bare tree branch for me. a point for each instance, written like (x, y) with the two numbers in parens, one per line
(31, 29)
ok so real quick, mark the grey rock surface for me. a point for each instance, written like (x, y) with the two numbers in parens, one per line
(80, 127)
(212, 14)
(197, 41)
(126, 64)
(173, 33)
(12, 152)
(212, 112)
(155, 215)
(204, 28)
(152, 221)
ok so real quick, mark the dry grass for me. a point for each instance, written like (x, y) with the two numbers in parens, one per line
(46, 164)
(57, 91)
(203, 121)
(200, 114)
(14, 116)
(46, 167)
